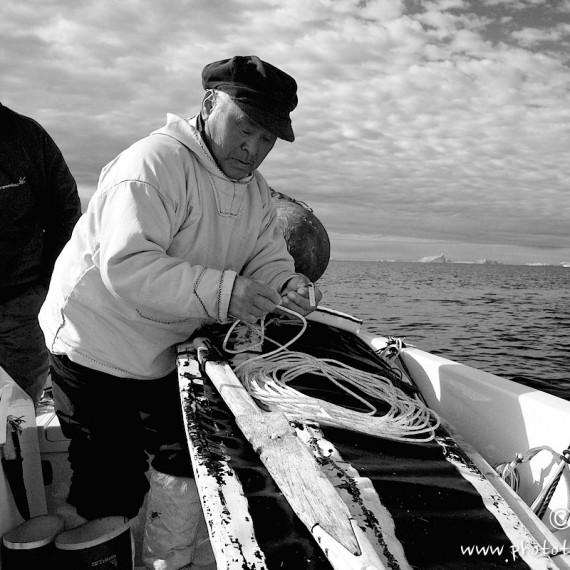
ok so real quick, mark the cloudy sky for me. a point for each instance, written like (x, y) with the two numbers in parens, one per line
(424, 127)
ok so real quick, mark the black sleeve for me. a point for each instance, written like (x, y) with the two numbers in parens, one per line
(61, 208)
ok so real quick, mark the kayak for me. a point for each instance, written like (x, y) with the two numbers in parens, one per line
(360, 451)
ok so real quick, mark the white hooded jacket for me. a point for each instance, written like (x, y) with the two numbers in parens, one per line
(156, 254)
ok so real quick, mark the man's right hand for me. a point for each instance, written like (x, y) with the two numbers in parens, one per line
(251, 300)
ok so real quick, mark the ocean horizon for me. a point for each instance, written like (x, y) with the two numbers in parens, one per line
(483, 261)
(509, 320)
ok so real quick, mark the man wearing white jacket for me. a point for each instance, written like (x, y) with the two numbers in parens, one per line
(181, 232)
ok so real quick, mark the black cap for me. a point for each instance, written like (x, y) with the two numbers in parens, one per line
(262, 91)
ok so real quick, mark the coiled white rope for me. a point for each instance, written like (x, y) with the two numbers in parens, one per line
(267, 377)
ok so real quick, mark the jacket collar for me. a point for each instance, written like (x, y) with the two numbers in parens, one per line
(187, 132)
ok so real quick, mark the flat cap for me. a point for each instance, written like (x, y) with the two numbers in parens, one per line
(262, 91)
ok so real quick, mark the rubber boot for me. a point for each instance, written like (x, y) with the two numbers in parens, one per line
(31, 544)
(104, 543)
(176, 536)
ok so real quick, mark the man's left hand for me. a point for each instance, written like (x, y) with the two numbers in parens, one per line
(295, 295)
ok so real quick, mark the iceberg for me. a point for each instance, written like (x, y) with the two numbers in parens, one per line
(434, 259)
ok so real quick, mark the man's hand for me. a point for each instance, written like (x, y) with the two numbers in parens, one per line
(252, 300)
(295, 295)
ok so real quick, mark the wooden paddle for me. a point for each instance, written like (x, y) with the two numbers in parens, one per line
(293, 469)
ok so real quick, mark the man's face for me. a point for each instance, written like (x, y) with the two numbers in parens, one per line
(238, 144)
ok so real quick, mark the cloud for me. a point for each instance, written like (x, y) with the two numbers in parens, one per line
(529, 37)
(422, 120)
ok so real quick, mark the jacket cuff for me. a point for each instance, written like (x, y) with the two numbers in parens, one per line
(225, 288)
(282, 279)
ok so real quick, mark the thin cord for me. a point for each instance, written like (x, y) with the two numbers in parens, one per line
(251, 347)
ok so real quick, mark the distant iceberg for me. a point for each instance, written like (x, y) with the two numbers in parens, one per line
(434, 259)
(442, 259)
(486, 261)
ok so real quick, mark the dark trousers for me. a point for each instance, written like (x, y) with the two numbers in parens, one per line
(23, 352)
(113, 423)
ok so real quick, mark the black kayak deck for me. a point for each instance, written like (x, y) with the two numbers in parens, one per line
(440, 517)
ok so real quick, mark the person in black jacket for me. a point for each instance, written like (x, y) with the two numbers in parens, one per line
(39, 206)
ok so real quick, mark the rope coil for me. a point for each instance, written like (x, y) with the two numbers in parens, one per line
(267, 377)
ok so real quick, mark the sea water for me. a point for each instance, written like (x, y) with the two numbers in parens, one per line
(510, 320)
